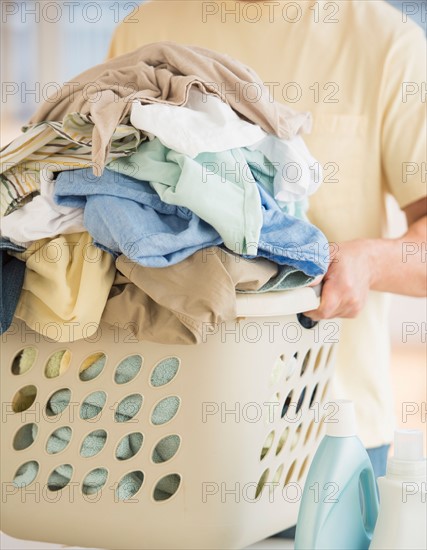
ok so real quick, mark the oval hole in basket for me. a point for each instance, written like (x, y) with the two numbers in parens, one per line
(25, 437)
(58, 402)
(318, 359)
(92, 405)
(329, 359)
(286, 404)
(278, 474)
(320, 427)
(290, 473)
(296, 437)
(278, 370)
(325, 391)
(303, 468)
(282, 440)
(26, 474)
(301, 400)
(128, 407)
(94, 481)
(129, 446)
(165, 410)
(166, 487)
(271, 409)
(309, 431)
(93, 443)
(129, 485)
(291, 366)
(305, 362)
(58, 440)
(60, 477)
(166, 449)
(24, 398)
(127, 369)
(164, 372)
(92, 366)
(313, 395)
(24, 360)
(262, 481)
(57, 363)
(268, 443)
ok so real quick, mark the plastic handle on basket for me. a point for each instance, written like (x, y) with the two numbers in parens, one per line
(318, 289)
(305, 321)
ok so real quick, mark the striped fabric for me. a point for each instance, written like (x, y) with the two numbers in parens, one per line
(57, 146)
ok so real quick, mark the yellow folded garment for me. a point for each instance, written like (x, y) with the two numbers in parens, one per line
(66, 286)
(53, 146)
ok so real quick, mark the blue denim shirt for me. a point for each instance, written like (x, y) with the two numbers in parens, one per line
(291, 241)
(125, 215)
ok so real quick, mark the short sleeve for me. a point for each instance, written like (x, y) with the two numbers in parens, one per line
(404, 124)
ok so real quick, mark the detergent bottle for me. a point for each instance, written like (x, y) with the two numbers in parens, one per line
(339, 505)
(402, 521)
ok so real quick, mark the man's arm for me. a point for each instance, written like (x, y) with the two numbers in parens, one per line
(387, 265)
(401, 265)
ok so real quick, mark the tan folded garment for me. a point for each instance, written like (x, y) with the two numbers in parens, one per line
(170, 305)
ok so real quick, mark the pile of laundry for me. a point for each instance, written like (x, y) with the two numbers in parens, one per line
(145, 194)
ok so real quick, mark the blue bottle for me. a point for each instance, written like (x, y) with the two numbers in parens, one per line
(339, 505)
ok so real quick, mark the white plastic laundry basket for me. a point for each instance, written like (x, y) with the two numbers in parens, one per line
(251, 401)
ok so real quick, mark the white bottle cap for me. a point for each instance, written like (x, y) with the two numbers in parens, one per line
(341, 421)
(408, 461)
(408, 445)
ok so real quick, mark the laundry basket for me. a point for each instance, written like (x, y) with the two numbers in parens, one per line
(247, 413)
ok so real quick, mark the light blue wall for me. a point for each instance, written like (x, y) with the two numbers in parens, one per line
(415, 9)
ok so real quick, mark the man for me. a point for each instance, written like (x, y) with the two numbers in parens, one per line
(360, 68)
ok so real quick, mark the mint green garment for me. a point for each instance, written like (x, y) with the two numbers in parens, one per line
(217, 187)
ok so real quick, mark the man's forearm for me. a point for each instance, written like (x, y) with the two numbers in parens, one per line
(400, 265)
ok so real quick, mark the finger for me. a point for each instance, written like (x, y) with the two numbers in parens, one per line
(317, 280)
(350, 309)
(330, 303)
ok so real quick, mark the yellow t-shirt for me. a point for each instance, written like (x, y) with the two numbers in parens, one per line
(361, 70)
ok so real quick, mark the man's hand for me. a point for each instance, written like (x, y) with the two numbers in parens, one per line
(385, 265)
(348, 280)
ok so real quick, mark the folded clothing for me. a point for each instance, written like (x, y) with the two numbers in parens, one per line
(55, 147)
(287, 278)
(144, 228)
(66, 285)
(180, 303)
(296, 174)
(95, 441)
(155, 234)
(217, 187)
(205, 124)
(220, 189)
(12, 271)
(290, 241)
(42, 217)
(164, 72)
